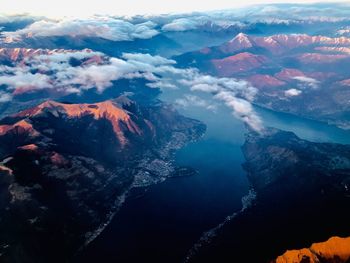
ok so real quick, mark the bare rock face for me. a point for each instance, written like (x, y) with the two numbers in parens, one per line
(334, 250)
(66, 169)
(119, 119)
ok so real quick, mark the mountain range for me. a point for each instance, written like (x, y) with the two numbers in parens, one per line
(95, 112)
(292, 72)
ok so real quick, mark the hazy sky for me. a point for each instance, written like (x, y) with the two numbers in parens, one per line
(125, 7)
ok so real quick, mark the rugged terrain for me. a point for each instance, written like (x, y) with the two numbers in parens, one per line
(81, 124)
(293, 73)
(66, 168)
(300, 196)
(335, 249)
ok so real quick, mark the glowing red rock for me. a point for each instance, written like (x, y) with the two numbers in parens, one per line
(29, 147)
(22, 126)
(335, 250)
(287, 74)
(260, 81)
(107, 110)
(239, 63)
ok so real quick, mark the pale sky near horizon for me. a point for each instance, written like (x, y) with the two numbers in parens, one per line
(57, 8)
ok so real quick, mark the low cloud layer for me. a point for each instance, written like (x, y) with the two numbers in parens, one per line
(236, 94)
(101, 27)
(181, 24)
(55, 71)
(145, 27)
(269, 14)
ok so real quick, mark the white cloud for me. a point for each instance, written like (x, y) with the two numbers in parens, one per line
(307, 82)
(205, 87)
(8, 19)
(292, 92)
(54, 71)
(58, 57)
(162, 85)
(5, 97)
(181, 24)
(207, 21)
(193, 100)
(345, 31)
(101, 27)
(236, 94)
(242, 109)
(25, 79)
(211, 84)
(90, 7)
(147, 59)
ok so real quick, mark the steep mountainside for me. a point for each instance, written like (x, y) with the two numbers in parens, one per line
(66, 168)
(295, 184)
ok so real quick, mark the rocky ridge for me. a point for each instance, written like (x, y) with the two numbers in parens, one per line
(67, 168)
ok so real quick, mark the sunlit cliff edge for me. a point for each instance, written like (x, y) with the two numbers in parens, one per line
(335, 249)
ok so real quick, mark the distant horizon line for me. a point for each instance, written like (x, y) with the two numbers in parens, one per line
(179, 12)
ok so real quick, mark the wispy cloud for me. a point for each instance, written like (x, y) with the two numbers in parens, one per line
(189, 100)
